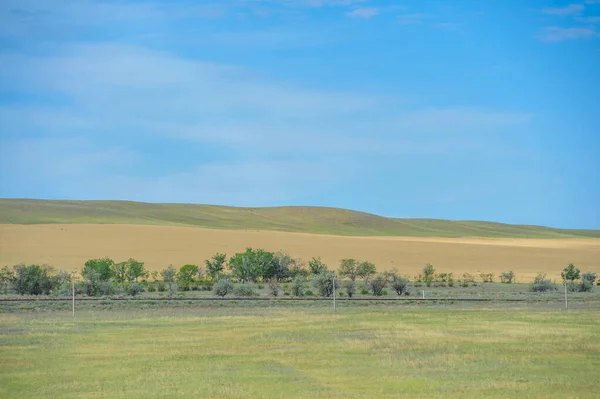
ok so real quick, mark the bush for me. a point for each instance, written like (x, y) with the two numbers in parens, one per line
(323, 283)
(298, 286)
(349, 287)
(273, 287)
(151, 288)
(399, 284)
(106, 288)
(161, 286)
(507, 277)
(33, 280)
(384, 292)
(582, 286)
(364, 292)
(487, 277)
(377, 285)
(244, 290)
(286, 293)
(464, 284)
(223, 287)
(260, 286)
(308, 293)
(428, 273)
(134, 288)
(542, 284)
(589, 277)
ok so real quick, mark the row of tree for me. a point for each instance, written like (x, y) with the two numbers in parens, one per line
(103, 276)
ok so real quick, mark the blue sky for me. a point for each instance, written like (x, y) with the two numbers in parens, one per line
(470, 110)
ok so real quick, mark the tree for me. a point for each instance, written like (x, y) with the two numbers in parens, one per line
(366, 270)
(135, 270)
(428, 273)
(273, 287)
(253, 265)
(100, 269)
(399, 284)
(215, 266)
(349, 268)
(323, 283)
(283, 264)
(316, 266)
(169, 275)
(6, 278)
(571, 273)
(187, 276)
(377, 285)
(33, 280)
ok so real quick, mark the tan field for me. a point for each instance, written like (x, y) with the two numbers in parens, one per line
(68, 246)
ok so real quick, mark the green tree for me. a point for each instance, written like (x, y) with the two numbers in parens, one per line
(399, 284)
(428, 274)
(101, 269)
(349, 268)
(298, 285)
(349, 287)
(187, 276)
(215, 265)
(253, 265)
(316, 266)
(589, 277)
(283, 264)
(571, 273)
(366, 270)
(135, 270)
(33, 280)
(377, 285)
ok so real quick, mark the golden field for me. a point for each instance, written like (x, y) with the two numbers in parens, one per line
(68, 246)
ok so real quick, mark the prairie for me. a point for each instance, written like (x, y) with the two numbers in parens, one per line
(68, 246)
(384, 352)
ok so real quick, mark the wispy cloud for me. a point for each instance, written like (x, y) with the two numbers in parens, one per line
(409, 19)
(365, 13)
(567, 10)
(557, 34)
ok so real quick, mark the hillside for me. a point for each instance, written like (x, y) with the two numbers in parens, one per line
(293, 219)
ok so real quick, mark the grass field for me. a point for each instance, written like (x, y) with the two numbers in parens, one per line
(383, 352)
(294, 219)
(69, 246)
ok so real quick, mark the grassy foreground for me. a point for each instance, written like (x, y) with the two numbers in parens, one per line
(292, 219)
(239, 352)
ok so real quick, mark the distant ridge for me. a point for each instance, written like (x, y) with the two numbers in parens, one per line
(302, 219)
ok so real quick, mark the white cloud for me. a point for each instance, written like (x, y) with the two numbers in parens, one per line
(556, 34)
(365, 13)
(410, 19)
(568, 10)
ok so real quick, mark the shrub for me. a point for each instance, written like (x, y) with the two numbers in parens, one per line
(399, 284)
(340, 293)
(467, 277)
(428, 273)
(451, 283)
(377, 285)
(134, 288)
(582, 286)
(542, 284)
(323, 283)
(169, 274)
(589, 277)
(151, 288)
(350, 287)
(464, 284)
(384, 292)
(298, 286)
(273, 287)
(173, 289)
(33, 280)
(308, 293)
(487, 277)
(161, 286)
(286, 293)
(364, 292)
(507, 277)
(108, 288)
(316, 266)
(223, 287)
(260, 286)
(244, 290)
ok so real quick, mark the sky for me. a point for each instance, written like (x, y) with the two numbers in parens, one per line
(462, 110)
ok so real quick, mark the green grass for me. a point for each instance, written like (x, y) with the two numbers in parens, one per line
(293, 219)
(240, 352)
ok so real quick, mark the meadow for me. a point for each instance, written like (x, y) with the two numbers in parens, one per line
(69, 246)
(235, 351)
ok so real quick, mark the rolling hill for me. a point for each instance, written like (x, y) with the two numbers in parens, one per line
(318, 220)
